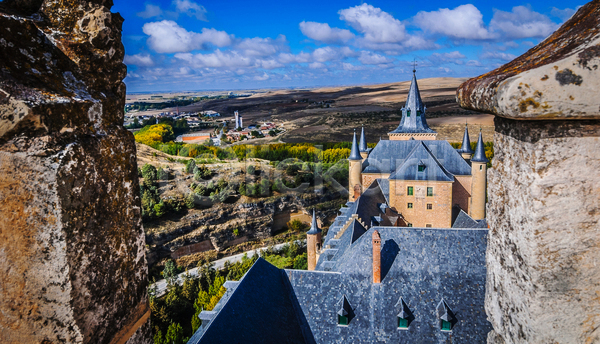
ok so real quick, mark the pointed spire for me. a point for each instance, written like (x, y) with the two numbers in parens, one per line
(413, 113)
(479, 151)
(363, 142)
(314, 227)
(466, 143)
(355, 152)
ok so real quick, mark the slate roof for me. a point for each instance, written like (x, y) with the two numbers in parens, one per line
(362, 145)
(413, 112)
(355, 151)
(389, 155)
(463, 220)
(422, 158)
(258, 310)
(421, 265)
(479, 155)
(466, 143)
(314, 227)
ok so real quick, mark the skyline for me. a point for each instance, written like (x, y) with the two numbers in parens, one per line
(182, 45)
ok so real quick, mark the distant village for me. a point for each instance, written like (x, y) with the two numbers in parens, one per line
(208, 126)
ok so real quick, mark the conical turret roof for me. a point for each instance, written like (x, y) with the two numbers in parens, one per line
(363, 142)
(479, 151)
(314, 228)
(355, 152)
(466, 142)
(413, 112)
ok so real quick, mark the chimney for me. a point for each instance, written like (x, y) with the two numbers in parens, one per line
(376, 257)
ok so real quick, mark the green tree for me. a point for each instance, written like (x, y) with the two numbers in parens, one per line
(174, 334)
(149, 174)
(301, 262)
(170, 272)
(251, 170)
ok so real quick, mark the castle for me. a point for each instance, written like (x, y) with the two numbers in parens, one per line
(403, 262)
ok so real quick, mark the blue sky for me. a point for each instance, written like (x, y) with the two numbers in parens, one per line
(187, 45)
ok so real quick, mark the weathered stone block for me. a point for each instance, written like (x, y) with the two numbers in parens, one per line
(71, 239)
(543, 280)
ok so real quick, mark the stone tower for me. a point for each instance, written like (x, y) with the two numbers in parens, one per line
(355, 170)
(313, 243)
(543, 261)
(71, 237)
(479, 181)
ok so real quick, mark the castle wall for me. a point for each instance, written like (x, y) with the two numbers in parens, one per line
(369, 178)
(461, 192)
(440, 216)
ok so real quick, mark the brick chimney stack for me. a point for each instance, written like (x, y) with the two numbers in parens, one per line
(376, 257)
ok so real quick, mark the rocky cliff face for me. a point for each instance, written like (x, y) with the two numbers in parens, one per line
(71, 240)
(543, 255)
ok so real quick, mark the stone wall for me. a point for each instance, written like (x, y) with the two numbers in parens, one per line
(543, 253)
(543, 256)
(71, 239)
(440, 214)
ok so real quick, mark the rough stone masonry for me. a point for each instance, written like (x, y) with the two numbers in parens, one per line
(71, 241)
(543, 257)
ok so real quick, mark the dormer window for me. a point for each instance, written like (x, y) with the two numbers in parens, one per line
(421, 168)
(418, 113)
(405, 316)
(345, 312)
(407, 113)
(445, 316)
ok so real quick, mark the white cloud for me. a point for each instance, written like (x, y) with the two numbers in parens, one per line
(462, 22)
(326, 54)
(191, 8)
(370, 58)
(168, 37)
(562, 14)
(376, 25)
(217, 59)
(150, 11)
(351, 67)
(522, 23)
(141, 60)
(496, 55)
(474, 63)
(263, 77)
(263, 46)
(317, 65)
(452, 57)
(324, 33)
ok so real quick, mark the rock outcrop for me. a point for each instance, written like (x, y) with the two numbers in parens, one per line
(543, 258)
(71, 239)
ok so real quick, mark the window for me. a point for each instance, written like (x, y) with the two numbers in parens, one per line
(429, 206)
(410, 225)
(402, 323)
(446, 325)
(407, 113)
(342, 320)
(409, 191)
(418, 113)
(421, 168)
(429, 191)
(409, 206)
(428, 225)
(480, 167)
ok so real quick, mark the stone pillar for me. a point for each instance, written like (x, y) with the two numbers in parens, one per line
(543, 256)
(478, 189)
(71, 238)
(355, 182)
(376, 257)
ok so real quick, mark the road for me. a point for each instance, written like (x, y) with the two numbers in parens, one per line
(161, 286)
